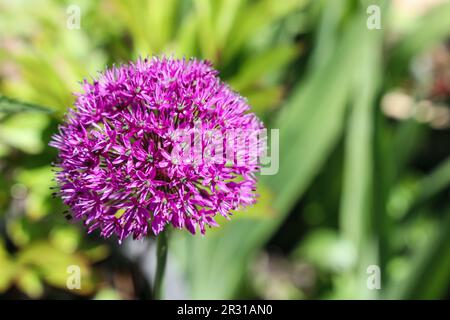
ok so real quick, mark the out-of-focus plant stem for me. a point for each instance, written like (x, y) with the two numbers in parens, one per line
(161, 258)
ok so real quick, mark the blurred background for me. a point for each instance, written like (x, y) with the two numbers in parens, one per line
(364, 120)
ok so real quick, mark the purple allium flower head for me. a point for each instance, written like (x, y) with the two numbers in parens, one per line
(117, 169)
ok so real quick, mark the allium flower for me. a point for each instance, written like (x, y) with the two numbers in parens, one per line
(117, 167)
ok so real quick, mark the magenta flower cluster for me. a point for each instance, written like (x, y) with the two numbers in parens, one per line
(115, 169)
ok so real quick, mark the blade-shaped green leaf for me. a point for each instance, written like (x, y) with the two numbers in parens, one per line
(10, 106)
(430, 273)
(309, 128)
(356, 215)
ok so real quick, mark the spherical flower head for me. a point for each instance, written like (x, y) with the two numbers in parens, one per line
(148, 144)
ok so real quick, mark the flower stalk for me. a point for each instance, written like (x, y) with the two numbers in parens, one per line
(161, 258)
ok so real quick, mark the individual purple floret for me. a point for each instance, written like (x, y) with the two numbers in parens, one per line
(118, 169)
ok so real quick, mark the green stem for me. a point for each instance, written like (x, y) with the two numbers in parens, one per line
(161, 256)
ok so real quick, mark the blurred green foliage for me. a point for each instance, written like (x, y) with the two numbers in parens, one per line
(355, 188)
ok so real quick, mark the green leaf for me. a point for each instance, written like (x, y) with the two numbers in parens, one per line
(66, 238)
(38, 182)
(28, 281)
(259, 66)
(226, 17)
(430, 186)
(186, 37)
(328, 250)
(107, 294)
(253, 17)
(436, 182)
(11, 106)
(312, 120)
(263, 100)
(356, 215)
(310, 126)
(204, 14)
(23, 130)
(8, 268)
(52, 264)
(430, 272)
